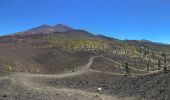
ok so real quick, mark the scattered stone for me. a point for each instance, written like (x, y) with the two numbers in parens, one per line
(4, 95)
(99, 89)
(28, 93)
(96, 95)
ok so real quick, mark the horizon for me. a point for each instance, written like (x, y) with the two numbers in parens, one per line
(133, 20)
(91, 33)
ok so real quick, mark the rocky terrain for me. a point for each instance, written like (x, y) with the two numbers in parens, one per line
(62, 63)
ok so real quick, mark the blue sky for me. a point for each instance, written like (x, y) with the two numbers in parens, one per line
(123, 19)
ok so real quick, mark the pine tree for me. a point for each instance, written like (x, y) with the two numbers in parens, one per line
(148, 67)
(162, 54)
(126, 68)
(145, 52)
(165, 60)
(159, 64)
(135, 62)
(153, 55)
(164, 57)
(165, 69)
(140, 50)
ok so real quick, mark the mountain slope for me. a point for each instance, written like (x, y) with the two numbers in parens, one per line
(47, 29)
(60, 62)
(47, 44)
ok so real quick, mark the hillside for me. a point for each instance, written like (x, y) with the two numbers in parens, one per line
(69, 60)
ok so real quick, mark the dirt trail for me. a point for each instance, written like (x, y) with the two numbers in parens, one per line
(26, 81)
(83, 69)
(79, 70)
(132, 75)
(121, 64)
